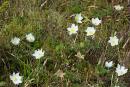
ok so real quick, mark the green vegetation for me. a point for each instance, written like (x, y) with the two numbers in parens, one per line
(48, 21)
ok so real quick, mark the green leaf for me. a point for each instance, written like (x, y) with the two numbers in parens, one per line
(101, 70)
(59, 47)
(2, 83)
(76, 9)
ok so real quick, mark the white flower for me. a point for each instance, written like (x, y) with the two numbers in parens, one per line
(116, 86)
(113, 41)
(79, 55)
(15, 41)
(73, 29)
(38, 53)
(109, 64)
(30, 37)
(16, 78)
(78, 18)
(121, 70)
(96, 21)
(90, 31)
(118, 7)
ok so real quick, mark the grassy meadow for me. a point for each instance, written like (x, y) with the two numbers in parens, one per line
(75, 60)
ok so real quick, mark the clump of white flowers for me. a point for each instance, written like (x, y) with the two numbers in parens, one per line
(90, 31)
(30, 37)
(113, 41)
(16, 78)
(109, 64)
(121, 70)
(118, 7)
(96, 21)
(78, 18)
(38, 53)
(15, 41)
(73, 29)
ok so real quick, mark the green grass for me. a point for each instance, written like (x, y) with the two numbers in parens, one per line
(49, 24)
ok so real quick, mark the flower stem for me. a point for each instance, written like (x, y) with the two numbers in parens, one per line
(112, 80)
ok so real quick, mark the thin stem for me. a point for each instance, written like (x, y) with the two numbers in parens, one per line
(116, 81)
(112, 80)
(75, 38)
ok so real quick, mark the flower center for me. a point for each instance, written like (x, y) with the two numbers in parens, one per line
(72, 30)
(14, 78)
(76, 18)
